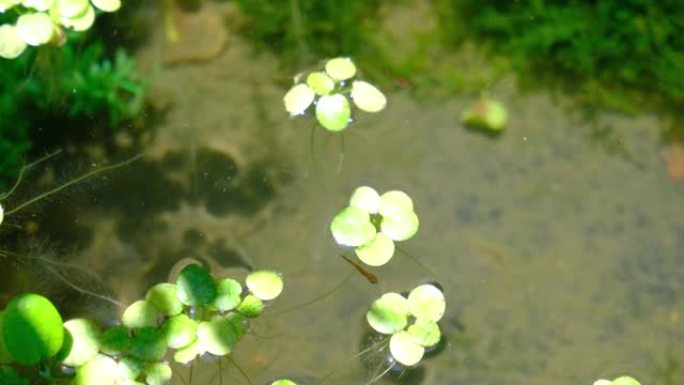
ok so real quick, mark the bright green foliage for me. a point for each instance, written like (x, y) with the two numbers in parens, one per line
(195, 286)
(388, 314)
(229, 294)
(158, 373)
(372, 223)
(251, 306)
(486, 114)
(425, 332)
(149, 344)
(32, 329)
(101, 370)
(427, 302)
(164, 298)
(217, 336)
(140, 314)
(330, 87)
(9, 376)
(624, 380)
(264, 284)
(115, 340)
(405, 349)
(86, 336)
(180, 331)
(5, 357)
(283, 382)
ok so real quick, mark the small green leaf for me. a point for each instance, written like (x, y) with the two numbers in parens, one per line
(365, 198)
(400, 226)
(283, 382)
(131, 367)
(7, 4)
(100, 370)
(180, 331)
(251, 306)
(320, 83)
(264, 284)
(86, 341)
(427, 302)
(341, 68)
(425, 332)
(376, 252)
(217, 336)
(9, 376)
(333, 112)
(229, 294)
(158, 373)
(5, 357)
(388, 314)
(625, 380)
(32, 329)
(38, 5)
(405, 350)
(486, 114)
(352, 227)
(82, 22)
(35, 28)
(149, 344)
(367, 97)
(107, 5)
(164, 298)
(189, 353)
(195, 286)
(115, 341)
(11, 46)
(72, 8)
(298, 99)
(140, 314)
(395, 201)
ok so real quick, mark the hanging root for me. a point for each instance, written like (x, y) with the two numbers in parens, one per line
(24, 170)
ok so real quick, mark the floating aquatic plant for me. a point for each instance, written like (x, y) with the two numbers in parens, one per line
(486, 114)
(330, 91)
(372, 223)
(624, 380)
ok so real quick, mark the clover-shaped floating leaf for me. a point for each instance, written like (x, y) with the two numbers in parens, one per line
(388, 314)
(283, 381)
(217, 336)
(264, 284)
(425, 332)
(352, 227)
(149, 344)
(158, 373)
(180, 331)
(195, 286)
(298, 99)
(100, 370)
(32, 329)
(164, 298)
(365, 198)
(82, 22)
(35, 28)
(85, 335)
(228, 296)
(399, 221)
(376, 252)
(131, 368)
(427, 302)
(251, 306)
(115, 340)
(107, 5)
(341, 68)
(188, 353)
(38, 5)
(320, 83)
(140, 314)
(405, 349)
(333, 112)
(72, 8)
(486, 114)
(367, 97)
(11, 46)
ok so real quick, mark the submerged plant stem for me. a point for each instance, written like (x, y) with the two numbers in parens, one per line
(326, 294)
(23, 170)
(240, 370)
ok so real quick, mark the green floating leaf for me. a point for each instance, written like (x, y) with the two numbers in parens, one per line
(229, 294)
(158, 373)
(189, 353)
(395, 201)
(100, 370)
(341, 68)
(5, 357)
(9, 376)
(107, 5)
(72, 8)
(427, 302)
(251, 306)
(35, 28)
(625, 380)
(164, 298)
(283, 382)
(131, 367)
(149, 344)
(7, 4)
(366, 199)
(298, 99)
(388, 314)
(425, 332)
(320, 83)
(82, 22)
(486, 114)
(367, 97)
(32, 329)
(217, 336)
(86, 341)
(377, 252)
(38, 5)
(11, 46)
(115, 340)
(140, 314)
(400, 226)
(352, 227)
(180, 331)
(333, 112)
(264, 284)
(405, 350)
(195, 286)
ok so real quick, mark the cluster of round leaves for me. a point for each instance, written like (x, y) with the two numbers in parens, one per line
(43, 21)
(411, 321)
(195, 316)
(330, 90)
(624, 380)
(373, 222)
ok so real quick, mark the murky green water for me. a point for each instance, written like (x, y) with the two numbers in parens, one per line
(560, 257)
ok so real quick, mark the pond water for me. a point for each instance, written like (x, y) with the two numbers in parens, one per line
(558, 243)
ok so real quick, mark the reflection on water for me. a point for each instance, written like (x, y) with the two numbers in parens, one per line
(560, 260)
